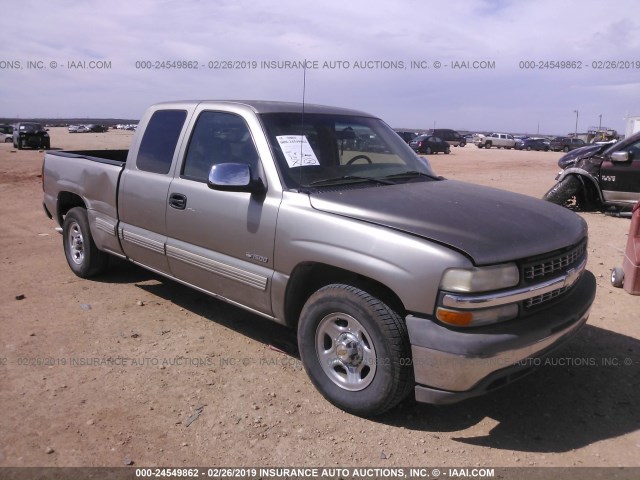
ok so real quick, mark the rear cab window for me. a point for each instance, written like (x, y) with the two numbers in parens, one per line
(160, 139)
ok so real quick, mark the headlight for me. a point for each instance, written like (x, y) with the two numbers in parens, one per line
(475, 280)
(480, 279)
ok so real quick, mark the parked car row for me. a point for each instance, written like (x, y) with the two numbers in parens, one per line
(88, 128)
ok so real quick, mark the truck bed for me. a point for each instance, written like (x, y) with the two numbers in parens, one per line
(87, 178)
(112, 157)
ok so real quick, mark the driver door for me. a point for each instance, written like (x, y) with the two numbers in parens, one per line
(620, 181)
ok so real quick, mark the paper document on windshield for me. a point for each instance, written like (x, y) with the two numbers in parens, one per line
(297, 150)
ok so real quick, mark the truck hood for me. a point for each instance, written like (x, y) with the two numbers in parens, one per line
(490, 226)
(571, 158)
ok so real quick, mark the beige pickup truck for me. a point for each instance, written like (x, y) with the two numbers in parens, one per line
(323, 219)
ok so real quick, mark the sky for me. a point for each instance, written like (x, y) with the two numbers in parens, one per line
(478, 65)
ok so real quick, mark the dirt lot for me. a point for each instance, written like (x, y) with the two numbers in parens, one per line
(97, 373)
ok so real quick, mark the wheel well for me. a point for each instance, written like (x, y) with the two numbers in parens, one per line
(310, 277)
(67, 201)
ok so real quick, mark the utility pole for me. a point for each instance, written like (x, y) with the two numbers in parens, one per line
(576, 131)
(600, 123)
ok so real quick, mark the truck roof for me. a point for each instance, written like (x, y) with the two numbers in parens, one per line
(265, 106)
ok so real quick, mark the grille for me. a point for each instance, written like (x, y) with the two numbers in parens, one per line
(533, 301)
(553, 265)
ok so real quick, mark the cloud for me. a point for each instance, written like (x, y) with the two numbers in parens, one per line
(506, 32)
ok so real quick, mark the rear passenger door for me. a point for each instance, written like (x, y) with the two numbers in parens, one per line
(142, 199)
(220, 241)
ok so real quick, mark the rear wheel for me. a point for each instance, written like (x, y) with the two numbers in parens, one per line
(355, 349)
(427, 150)
(565, 149)
(83, 257)
(563, 191)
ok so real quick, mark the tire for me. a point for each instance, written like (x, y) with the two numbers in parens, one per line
(427, 151)
(563, 191)
(19, 144)
(463, 144)
(447, 151)
(565, 149)
(617, 277)
(83, 257)
(373, 372)
(487, 145)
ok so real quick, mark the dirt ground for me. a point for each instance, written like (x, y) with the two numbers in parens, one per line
(132, 368)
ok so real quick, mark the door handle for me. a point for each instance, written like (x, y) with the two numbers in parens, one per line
(178, 201)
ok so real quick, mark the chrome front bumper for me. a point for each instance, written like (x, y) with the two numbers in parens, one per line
(452, 365)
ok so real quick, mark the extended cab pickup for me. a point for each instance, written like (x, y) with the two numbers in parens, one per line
(395, 279)
(500, 140)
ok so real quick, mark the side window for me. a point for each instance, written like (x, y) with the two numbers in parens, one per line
(160, 140)
(218, 137)
(634, 149)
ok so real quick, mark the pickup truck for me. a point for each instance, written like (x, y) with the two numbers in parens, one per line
(500, 140)
(601, 176)
(395, 279)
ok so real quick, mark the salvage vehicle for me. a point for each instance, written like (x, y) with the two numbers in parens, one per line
(532, 144)
(429, 144)
(395, 279)
(566, 144)
(6, 133)
(500, 140)
(30, 134)
(450, 136)
(599, 176)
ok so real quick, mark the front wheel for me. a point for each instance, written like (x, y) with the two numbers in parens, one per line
(427, 150)
(563, 191)
(355, 349)
(83, 257)
(447, 151)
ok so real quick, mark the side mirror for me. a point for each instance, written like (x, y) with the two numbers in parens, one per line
(234, 177)
(623, 156)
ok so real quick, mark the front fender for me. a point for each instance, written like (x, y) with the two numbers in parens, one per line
(584, 176)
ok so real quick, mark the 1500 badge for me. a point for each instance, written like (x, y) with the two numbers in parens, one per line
(259, 258)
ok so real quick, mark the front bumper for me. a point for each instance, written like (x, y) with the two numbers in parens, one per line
(452, 365)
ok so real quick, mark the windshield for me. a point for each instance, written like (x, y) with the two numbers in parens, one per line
(31, 127)
(340, 149)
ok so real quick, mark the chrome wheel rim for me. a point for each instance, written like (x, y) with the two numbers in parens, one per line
(346, 351)
(76, 243)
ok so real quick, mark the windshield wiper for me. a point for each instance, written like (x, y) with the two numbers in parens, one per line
(413, 174)
(337, 180)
